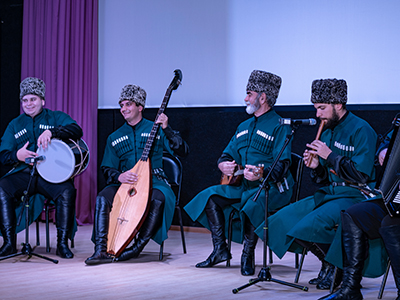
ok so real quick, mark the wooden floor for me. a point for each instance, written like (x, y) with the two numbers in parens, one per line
(175, 277)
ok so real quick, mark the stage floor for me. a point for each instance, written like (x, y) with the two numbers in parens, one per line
(175, 277)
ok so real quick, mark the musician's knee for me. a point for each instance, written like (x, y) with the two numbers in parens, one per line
(67, 196)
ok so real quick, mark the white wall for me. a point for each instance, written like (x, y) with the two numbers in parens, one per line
(217, 43)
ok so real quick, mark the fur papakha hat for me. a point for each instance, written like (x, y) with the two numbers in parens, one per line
(264, 82)
(133, 93)
(32, 86)
(329, 91)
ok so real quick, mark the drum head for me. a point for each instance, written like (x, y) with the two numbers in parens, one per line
(59, 163)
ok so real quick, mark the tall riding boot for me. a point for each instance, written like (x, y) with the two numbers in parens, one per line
(7, 225)
(247, 266)
(216, 221)
(150, 226)
(100, 233)
(391, 238)
(65, 209)
(355, 246)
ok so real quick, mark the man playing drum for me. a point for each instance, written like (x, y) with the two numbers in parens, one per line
(123, 150)
(23, 136)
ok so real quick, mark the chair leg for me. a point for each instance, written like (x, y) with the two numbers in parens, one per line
(37, 233)
(161, 251)
(271, 261)
(181, 225)
(303, 254)
(333, 280)
(384, 279)
(47, 229)
(228, 262)
(296, 261)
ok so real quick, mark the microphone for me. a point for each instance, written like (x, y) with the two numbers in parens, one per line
(32, 160)
(310, 122)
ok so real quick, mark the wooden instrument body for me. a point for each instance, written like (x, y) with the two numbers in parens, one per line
(234, 180)
(237, 177)
(130, 208)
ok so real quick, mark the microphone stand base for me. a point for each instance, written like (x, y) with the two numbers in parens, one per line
(265, 275)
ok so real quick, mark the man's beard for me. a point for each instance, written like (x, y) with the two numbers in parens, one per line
(332, 122)
(252, 108)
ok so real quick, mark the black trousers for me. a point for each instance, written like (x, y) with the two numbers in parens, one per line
(369, 216)
(15, 184)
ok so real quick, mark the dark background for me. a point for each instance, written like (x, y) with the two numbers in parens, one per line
(206, 130)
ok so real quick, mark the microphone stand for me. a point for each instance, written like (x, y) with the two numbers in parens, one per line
(265, 274)
(26, 247)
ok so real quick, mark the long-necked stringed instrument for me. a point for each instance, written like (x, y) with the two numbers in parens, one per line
(131, 202)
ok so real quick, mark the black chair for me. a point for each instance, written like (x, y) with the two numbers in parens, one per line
(47, 208)
(384, 279)
(172, 167)
(296, 169)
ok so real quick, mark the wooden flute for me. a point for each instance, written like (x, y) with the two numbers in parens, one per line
(319, 132)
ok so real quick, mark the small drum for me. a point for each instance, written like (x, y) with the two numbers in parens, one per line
(63, 160)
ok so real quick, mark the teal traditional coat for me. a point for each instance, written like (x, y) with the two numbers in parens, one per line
(257, 140)
(21, 130)
(314, 218)
(125, 147)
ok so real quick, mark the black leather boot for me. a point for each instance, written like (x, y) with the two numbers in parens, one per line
(247, 262)
(326, 282)
(7, 225)
(216, 221)
(65, 210)
(148, 229)
(391, 238)
(100, 233)
(355, 246)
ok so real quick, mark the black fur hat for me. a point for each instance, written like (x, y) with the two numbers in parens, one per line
(264, 82)
(32, 86)
(330, 91)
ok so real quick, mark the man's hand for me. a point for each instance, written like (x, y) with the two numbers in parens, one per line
(24, 153)
(227, 167)
(44, 139)
(381, 156)
(163, 120)
(319, 148)
(311, 161)
(251, 174)
(128, 177)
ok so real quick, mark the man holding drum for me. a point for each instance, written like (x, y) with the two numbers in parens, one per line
(123, 150)
(23, 136)
(343, 161)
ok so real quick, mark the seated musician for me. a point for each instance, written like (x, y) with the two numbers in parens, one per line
(342, 159)
(123, 149)
(362, 222)
(256, 141)
(22, 137)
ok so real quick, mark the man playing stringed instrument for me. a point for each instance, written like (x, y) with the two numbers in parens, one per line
(341, 160)
(123, 149)
(257, 141)
(32, 129)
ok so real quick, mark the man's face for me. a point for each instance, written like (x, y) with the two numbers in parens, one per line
(32, 105)
(252, 101)
(130, 111)
(327, 112)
